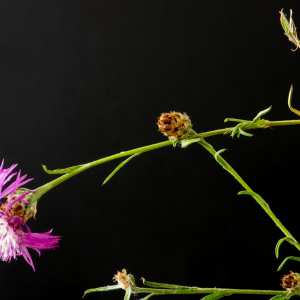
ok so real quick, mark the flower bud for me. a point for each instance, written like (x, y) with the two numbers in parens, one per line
(174, 125)
(123, 279)
(291, 282)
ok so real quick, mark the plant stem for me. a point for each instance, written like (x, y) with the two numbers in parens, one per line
(259, 200)
(195, 290)
(50, 185)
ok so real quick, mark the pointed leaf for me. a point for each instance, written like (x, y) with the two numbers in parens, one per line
(119, 167)
(103, 289)
(279, 297)
(217, 295)
(279, 244)
(128, 294)
(147, 297)
(288, 258)
(219, 152)
(185, 143)
(245, 133)
(235, 120)
(290, 295)
(235, 130)
(249, 193)
(297, 112)
(228, 131)
(263, 112)
(61, 171)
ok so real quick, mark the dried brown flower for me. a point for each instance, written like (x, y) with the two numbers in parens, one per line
(174, 125)
(291, 282)
(123, 279)
(290, 29)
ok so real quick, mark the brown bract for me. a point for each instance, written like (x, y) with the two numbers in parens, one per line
(174, 125)
(291, 282)
(123, 279)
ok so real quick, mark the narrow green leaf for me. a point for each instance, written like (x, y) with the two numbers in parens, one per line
(290, 295)
(147, 297)
(249, 193)
(279, 244)
(219, 152)
(128, 294)
(235, 120)
(185, 143)
(103, 289)
(235, 130)
(245, 133)
(263, 112)
(279, 297)
(288, 258)
(227, 132)
(217, 295)
(119, 167)
(61, 171)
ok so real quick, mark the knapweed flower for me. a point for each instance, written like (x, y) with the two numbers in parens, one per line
(291, 282)
(15, 235)
(174, 125)
(123, 279)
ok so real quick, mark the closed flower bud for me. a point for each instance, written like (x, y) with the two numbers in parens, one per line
(174, 125)
(291, 282)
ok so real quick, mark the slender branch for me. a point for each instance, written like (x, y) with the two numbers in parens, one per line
(195, 290)
(259, 200)
(50, 185)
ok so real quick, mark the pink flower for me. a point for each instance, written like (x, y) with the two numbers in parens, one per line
(15, 235)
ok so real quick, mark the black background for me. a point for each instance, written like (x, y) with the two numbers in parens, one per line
(81, 80)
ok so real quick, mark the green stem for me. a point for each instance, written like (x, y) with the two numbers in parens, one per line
(260, 201)
(50, 185)
(195, 290)
(282, 123)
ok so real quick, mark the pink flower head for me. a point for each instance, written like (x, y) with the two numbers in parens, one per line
(15, 235)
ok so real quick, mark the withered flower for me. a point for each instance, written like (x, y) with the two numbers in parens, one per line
(291, 282)
(123, 279)
(289, 29)
(174, 125)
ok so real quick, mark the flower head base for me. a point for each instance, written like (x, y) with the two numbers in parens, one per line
(19, 208)
(174, 125)
(15, 235)
(123, 279)
(291, 282)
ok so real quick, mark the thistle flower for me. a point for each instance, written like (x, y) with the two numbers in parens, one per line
(291, 282)
(15, 235)
(174, 125)
(289, 29)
